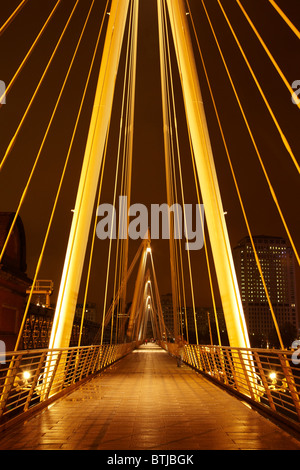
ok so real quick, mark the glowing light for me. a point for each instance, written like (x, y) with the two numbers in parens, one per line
(272, 376)
(26, 375)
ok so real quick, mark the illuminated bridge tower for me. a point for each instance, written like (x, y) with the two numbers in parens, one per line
(196, 121)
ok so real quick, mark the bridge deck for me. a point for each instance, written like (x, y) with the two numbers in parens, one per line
(146, 402)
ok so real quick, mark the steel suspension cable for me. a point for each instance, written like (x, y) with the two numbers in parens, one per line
(283, 137)
(127, 162)
(92, 243)
(182, 193)
(19, 69)
(201, 218)
(12, 17)
(285, 18)
(159, 307)
(12, 141)
(121, 262)
(237, 188)
(269, 54)
(45, 134)
(61, 181)
(123, 109)
(272, 192)
(172, 170)
(166, 151)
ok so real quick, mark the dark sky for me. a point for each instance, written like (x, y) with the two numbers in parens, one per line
(148, 158)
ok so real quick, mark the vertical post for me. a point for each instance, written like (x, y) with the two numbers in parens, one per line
(70, 282)
(129, 147)
(167, 153)
(136, 294)
(225, 271)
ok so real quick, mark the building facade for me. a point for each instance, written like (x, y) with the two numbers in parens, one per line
(278, 267)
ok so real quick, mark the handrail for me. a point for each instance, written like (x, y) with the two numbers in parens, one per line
(273, 382)
(26, 383)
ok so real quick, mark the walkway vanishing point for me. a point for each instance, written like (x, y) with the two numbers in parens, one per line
(145, 402)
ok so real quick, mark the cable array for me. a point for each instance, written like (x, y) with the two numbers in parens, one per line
(146, 308)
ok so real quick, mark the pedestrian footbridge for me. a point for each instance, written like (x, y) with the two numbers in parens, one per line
(144, 401)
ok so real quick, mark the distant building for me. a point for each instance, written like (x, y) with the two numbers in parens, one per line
(13, 279)
(167, 310)
(90, 313)
(278, 267)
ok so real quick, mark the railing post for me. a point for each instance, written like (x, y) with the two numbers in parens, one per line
(77, 362)
(9, 381)
(290, 382)
(264, 381)
(222, 362)
(92, 361)
(200, 358)
(232, 369)
(52, 375)
(245, 377)
(213, 351)
(84, 363)
(99, 359)
(69, 363)
(35, 381)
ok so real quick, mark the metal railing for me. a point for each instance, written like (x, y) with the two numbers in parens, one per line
(31, 379)
(267, 378)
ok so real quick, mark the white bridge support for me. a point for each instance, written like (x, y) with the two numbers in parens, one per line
(220, 245)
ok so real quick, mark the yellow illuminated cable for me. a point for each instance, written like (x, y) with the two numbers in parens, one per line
(285, 81)
(10, 146)
(167, 154)
(61, 182)
(215, 192)
(17, 73)
(172, 99)
(114, 197)
(159, 308)
(286, 19)
(283, 137)
(12, 17)
(45, 136)
(123, 190)
(238, 192)
(194, 312)
(92, 245)
(253, 140)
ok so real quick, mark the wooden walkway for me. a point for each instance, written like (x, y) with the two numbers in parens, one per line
(145, 402)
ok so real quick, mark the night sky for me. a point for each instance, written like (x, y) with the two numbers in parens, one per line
(148, 177)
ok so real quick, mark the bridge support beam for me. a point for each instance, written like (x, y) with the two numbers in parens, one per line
(70, 282)
(227, 281)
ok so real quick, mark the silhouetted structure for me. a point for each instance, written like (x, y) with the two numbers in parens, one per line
(13, 279)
